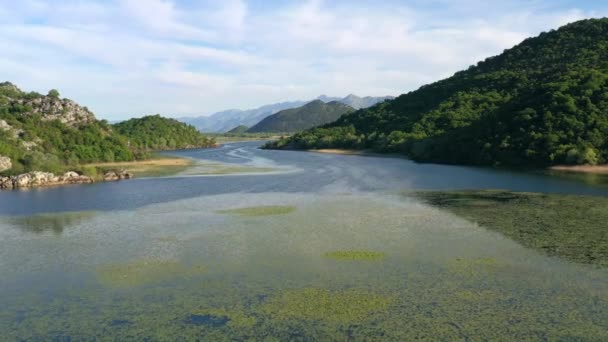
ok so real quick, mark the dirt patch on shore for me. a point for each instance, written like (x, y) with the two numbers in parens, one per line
(599, 169)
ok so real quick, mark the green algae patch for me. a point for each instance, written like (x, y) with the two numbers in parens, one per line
(143, 272)
(338, 307)
(53, 222)
(476, 296)
(259, 211)
(236, 318)
(472, 266)
(568, 226)
(355, 255)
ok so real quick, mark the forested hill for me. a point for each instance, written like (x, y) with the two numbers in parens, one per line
(48, 133)
(542, 102)
(238, 129)
(312, 114)
(157, 133)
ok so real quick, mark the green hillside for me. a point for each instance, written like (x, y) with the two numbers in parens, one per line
(540, 103)
(154, 132)
(312, 114)
(238, 129)
(47, 133)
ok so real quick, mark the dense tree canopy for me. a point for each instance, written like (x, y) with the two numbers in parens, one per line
(542, 102)
(157, 133)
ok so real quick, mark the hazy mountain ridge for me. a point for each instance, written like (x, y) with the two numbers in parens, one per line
(226, 120)
(312, 114)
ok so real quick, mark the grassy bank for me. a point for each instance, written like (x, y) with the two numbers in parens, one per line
(237, 137)
(157, 166)
(594, 169)
(573, 227)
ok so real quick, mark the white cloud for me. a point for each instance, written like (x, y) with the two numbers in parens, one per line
(185, 58)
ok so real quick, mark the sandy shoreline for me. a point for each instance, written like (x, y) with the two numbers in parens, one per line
(599, 169)
(340, 151)
(149, 162)
(151, 167)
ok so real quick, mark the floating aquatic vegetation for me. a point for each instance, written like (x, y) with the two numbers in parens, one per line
(142, 272)
(55, 222)
(472, 266)
(235, 318)
(208, 320)
(170, 238)
(259, 211)
(480, 295)
(355, 255)
(346, 306)
(569, 226)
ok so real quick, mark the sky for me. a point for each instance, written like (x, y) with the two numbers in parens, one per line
(129, 58)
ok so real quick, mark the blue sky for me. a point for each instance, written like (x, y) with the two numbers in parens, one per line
(128, 58)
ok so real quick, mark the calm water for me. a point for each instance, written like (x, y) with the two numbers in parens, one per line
(327, 248)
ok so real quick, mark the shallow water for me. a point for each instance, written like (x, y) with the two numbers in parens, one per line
(324, 248)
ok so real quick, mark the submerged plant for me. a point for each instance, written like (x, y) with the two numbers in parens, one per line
(569, 226)
(347, 306)
(355, 255)
(236, 318)
(472, 266)
(142, 272)
(259, 211)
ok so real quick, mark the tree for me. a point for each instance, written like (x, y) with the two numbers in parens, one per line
(54, 93)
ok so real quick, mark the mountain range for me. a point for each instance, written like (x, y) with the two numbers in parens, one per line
(312, 114)
(542, 102)
(226, 120)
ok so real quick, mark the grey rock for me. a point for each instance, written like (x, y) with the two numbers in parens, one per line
(63, 110)
(6, 183)
(41, 179)
(115, 175)
(5, 163)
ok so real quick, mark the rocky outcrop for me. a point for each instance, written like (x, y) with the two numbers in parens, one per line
(115, 175)
(37, 179)
(63, 110)
(15, 133)
(41, 179)
(49, 107)
(5, 163)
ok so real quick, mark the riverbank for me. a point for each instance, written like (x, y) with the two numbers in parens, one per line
(156, 167)
(221, 139)
(593, 169)
(98, 172)
(36, 179)
(341, 151)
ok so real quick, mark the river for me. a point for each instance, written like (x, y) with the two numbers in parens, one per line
(253, 244)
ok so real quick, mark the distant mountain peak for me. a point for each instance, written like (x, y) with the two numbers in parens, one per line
(312, 114)
(228, 119)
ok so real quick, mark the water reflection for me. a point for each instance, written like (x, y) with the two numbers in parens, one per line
(595, 179)
(53, 222)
